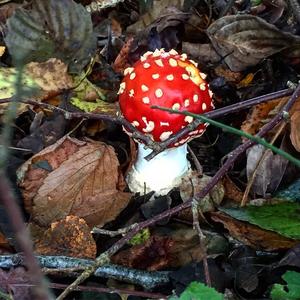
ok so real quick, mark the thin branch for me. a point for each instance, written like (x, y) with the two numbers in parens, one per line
(232, 157)
(235, 131)
(196, 225)
(159, 147)
(69, 265)
(147, 295)
(216, 114)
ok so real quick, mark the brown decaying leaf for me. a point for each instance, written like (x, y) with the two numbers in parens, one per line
(73, 177)
(70, 236)
(244, 40)
(252, 235)
(194, 184)
(232, 192)
(4, 245)
(269, 172)
(295, 125)
(50, 76)
(153, 255)
(7, 10)
(121, 62)
(260, 114)
(17, 282)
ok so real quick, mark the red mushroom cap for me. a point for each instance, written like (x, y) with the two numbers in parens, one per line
(166, 79)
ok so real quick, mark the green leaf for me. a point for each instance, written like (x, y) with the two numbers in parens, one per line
(199, 291)
(61, 29)
(291, 291)
(283, 218)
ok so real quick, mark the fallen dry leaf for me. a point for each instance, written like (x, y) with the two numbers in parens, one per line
(269, 169)
(41, 80)
(70, 237)
(232, 192)
(121, 62)
(4, 245)
(252, 235)
(244, 40)
(152, 255)
(295, 125)
(261, 114)
(73, 177)
(194, 184)
(204, 53)
(17, 282)
(51, 76)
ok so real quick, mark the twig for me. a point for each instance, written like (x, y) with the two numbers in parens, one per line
(196, 161)
(60, 286)
(201, 236)
(235, 131)
(111, 233)
(232, 157)
(69, 265)
(216, 114)
(159, 147)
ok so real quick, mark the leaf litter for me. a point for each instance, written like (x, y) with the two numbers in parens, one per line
(73, 170)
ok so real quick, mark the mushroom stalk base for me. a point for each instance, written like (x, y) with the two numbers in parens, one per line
(162, 173)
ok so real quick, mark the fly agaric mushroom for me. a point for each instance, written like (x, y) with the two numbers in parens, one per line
(170, 80)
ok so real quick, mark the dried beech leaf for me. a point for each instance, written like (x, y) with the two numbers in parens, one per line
(70, 237)
(73, 177)
(252, 235)
(244, 40)
(61, 29)
(261, 114)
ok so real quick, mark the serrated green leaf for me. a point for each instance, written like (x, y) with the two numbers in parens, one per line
(283, 218)
(291, 291)
(61, 29)
(199, 291)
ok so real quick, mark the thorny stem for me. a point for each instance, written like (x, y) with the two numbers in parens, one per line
(231, 158)
(8, 198)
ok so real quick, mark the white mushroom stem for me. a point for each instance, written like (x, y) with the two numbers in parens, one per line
(161, 173)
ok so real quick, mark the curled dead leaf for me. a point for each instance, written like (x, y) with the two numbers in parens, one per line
(73, 177)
